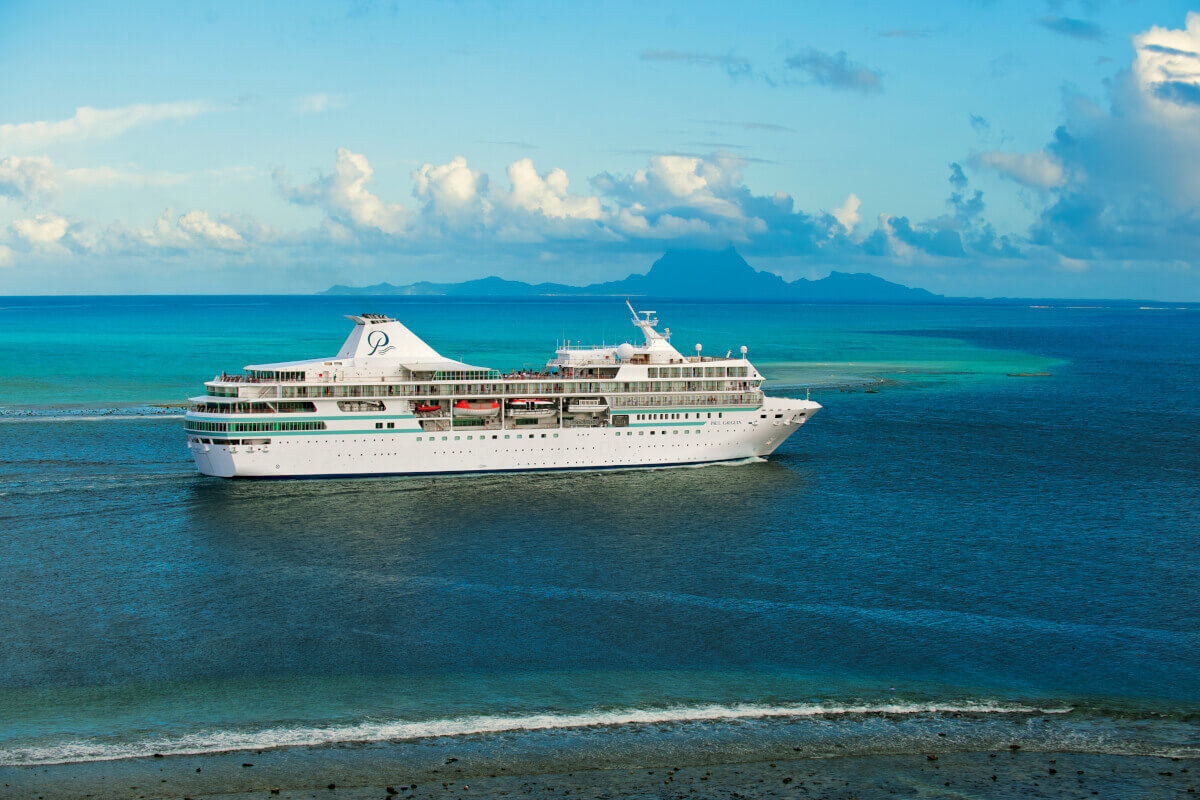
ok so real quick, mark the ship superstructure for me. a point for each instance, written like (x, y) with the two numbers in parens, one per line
(389, 404)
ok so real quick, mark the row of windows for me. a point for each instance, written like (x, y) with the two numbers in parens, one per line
(494, 436)
(483, 389)
(697, 415)
(686, 400)
(252, 427)
(272, 375)
(275, 407)
(697, 372)
(552, 435)
(199, 440)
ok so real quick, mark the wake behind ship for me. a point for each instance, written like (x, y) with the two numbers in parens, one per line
(389, 404)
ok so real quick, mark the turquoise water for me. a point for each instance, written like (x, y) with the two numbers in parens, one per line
(93, 352)
(961, 548)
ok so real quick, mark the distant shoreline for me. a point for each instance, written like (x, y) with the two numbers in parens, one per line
(23, 302)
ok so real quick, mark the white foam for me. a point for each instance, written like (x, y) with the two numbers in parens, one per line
(232, 741)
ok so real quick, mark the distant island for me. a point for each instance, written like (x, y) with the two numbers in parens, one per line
(683, 274)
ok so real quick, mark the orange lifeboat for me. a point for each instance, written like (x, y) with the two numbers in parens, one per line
(477, 408)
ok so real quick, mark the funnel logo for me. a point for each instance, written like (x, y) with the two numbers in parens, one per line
(378, 342)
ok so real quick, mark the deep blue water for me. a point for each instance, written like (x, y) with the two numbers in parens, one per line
(960, 538)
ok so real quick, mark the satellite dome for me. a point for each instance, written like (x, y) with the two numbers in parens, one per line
(625, 351)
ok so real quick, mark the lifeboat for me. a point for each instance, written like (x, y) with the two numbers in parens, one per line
(478, 408)
(587, 406)
(425, 409)
(535, 408)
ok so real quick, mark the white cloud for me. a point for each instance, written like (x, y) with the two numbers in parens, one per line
(7, 256)
(96, 123)
(680, 182)
(345, 197)
(548, 194)
(28, 179)
(205, 230)
(44, 230)
(452, 194)
(1038, 170)
(847, 213)
(633, 223)
(694, 200)
(1167, 66)
(1130, 189)
(194, 231)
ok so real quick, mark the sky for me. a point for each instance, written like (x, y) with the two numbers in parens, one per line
(1048, 148)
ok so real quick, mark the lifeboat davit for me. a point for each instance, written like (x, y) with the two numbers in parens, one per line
(485, 408)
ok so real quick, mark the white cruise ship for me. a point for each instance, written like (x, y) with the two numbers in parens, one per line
(389, 404)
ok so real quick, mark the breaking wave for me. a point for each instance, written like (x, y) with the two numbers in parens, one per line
(221, 741)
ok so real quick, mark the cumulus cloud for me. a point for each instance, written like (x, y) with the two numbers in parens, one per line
(170, 234)
(679, 183)
(32, 179)
(1038, 170)
(1075, 28)
(847, 213)
(549, 194)
(41, 231)
(1167, 65)
(834, 70)
(96, 123)
(1129, 190)
(204, 229)
(452, 195)
(960, 234)
(692, 200)
(345, 197)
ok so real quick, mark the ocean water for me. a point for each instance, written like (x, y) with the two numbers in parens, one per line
(1008, 558)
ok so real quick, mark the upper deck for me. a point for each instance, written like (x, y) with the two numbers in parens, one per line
(382, 358)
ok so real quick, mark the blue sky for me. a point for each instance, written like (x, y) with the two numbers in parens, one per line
(972, 148)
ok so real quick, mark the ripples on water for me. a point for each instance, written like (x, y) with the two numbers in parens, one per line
(986, 546)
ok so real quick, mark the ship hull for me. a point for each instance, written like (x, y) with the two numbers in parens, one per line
(409, 450)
